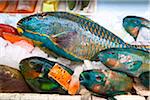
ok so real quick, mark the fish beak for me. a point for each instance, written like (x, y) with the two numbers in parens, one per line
(82, 78)
(20, 30)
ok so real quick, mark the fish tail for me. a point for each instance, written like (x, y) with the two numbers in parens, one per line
(147, 24)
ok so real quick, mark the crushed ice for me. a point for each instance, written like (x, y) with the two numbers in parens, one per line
(12, 54)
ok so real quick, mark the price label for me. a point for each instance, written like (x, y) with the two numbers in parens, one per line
(60, 75)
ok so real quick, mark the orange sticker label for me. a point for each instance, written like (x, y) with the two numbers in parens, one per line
(60, 75)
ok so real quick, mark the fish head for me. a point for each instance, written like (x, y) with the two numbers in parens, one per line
(33, 67)
(132, 25)
(132, 21)
(35, 28)
(93, 79)
(31, 22)
(105, 82)
(105, 55)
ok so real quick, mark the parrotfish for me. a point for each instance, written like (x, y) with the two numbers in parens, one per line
(72, 36)
(45, 76)
(106, 82)
(132, 24)
(133, 62)
(11, 80)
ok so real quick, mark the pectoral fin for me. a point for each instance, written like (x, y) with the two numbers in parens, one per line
(64, 39)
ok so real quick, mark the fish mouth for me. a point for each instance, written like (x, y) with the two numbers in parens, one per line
(20, 30)
(82, 78)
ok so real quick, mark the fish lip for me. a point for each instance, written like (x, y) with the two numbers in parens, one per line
(20, 29)
(82, 78)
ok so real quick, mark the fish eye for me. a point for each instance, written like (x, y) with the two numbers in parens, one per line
(111, 53)
(32, 62)
(134, 21)
(99, 78)
(36, 66)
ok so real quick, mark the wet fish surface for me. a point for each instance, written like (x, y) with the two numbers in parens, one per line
(74, 37)
(106, 82)
(36, 73)
(11, 80)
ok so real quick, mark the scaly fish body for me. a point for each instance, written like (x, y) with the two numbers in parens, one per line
(106, 82)
(39, 74)
(12, 81)
(71, 36)
(36, 73)
(131, 61)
